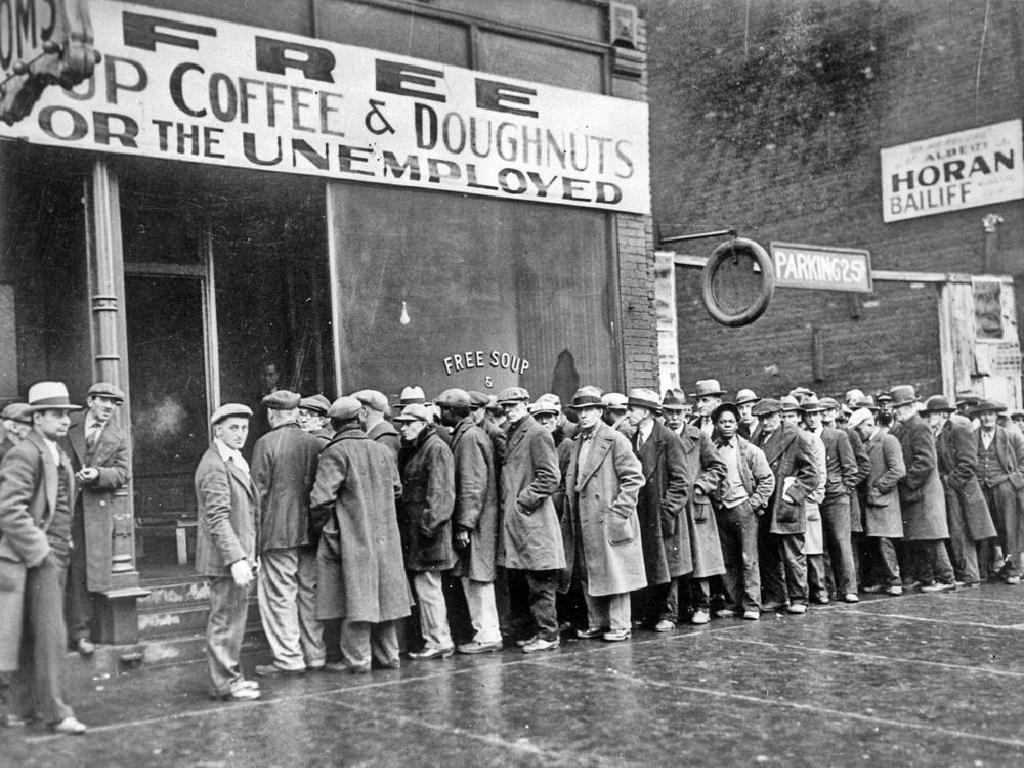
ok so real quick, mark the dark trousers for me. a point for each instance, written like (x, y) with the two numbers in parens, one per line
(44, 644)
(880, 564)
(225, 631)
(542, 586)
(783, 568)
(838, 554)
(931, 561)
(656, 602)
(79, 599)
(737, 530)
(1002, 504)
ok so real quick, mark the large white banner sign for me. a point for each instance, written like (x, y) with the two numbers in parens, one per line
(182, 87)
(961, 170)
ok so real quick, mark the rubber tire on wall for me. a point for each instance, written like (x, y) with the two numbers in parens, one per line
(743, 246)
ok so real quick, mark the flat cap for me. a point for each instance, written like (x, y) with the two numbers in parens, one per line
(494, 406)
(551, 397)
(414, 412)
(858, 417)
(106, 389)
(767, 406)
(372, 398)
(20, 412)
(230, 410)
(478, 399)
(853, 395)
(412, 395)
(453, 398)
(513, 395)
(344, 408)
(615, 400)
(544, 406)
(830, 402)
(281, 400)
(318, 403)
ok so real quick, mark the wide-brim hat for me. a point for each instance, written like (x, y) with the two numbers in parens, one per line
(987, 406)
(230, 410)
(865, 402)
(587, 397)
(937, 404)
(708, 388)
(746, 396)
(811, 404)
(106, 389)
(411, 395)
(719, 410)
(902, 394)
(644, 398)
(19, 412)
(789, 403)
(830, 402)
(674, 400)
(45, 395)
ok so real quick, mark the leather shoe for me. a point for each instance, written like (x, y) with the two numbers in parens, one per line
(752, 615)
(238, 693)
(796, 608)
(269, 670)
(1012, 579)
(69, 725)
(590, 633)
(895, 590)
(772, 607)
(700, 617)
(664, 625)
(873, 589)
(616, 635)
(725, 613)
(432, 653)
(938, 586)
(475, 647)
(540, 644)
(84, 647)
(851, 598)
(525, 641)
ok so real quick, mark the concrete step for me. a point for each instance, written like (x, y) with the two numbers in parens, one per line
(178, 649)
(185, 619)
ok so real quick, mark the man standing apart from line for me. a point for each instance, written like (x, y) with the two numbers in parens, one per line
(283, 468)
(98, 449)
(226, 548)
(531, 539)
(37, 491)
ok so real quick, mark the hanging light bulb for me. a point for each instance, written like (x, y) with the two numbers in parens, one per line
(404, 318)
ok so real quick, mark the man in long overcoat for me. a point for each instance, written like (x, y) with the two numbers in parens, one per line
(531, 539)
(372, 419)
(360, 577)
(98, 449)
(228, 506)
(781, 539)
(425, 515)
(37, 490)
(883, 520)
(661, 508)
(922, 501)
(1001, 472)
(475, 519)
(600, 528)
(283, 468)
(967, 513)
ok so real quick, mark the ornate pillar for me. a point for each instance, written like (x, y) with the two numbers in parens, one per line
(118, 584)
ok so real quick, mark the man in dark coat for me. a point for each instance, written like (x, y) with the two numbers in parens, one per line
(746, 399)
(830, 418)
(360, 578)
(16, 419)
(313, 418)
(922, 501)
(967, 513)
(781, 539)
(425, 513)
(226, 548)
(373, 419)
(531, 539)
(1001, 472)
(37, 490)
(283, 469)
(98, 449)
(475, 519)
(661, 504)
(479, 403)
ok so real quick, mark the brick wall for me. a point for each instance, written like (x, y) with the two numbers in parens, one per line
(799, 176)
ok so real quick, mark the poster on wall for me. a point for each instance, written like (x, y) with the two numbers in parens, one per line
(182, 87)
(967, 169)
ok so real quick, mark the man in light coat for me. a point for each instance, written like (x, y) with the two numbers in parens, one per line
(922, 501)
(600, 529)
(531, 539)
(283, 468)
(226, 548)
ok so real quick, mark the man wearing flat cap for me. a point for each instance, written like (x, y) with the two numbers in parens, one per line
(98, 449)
(661, 505)
(313, 417)
(37, 492)
(478, 405)
(283, 469)
(922, 501)
(967, 515)
(226, 548)
(1001, 472)
(372, 412)
(360, 578)
(16, 419)
(531, 538)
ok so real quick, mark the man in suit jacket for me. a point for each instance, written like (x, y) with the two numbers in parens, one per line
(37, 491)
(1001, 471)
(226, 548)
(98, 449)
(283, 469)
(781, 540)
(600, 527)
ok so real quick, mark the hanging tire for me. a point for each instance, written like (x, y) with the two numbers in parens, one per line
(740, 245)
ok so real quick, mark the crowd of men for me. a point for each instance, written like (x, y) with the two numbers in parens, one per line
(642, 512)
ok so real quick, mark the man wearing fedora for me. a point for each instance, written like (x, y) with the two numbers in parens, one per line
(600, 527)
(1001, 472)
(967, 514)
(707, 396)
(531, 538)
(675, 409)
(226, 548)
(98, 449)
(37, 492)
(746, 399)
(283, 468)
(16, 420)
(922, 501)
(661, 505)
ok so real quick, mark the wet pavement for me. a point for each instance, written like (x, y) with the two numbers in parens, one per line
(920, 680)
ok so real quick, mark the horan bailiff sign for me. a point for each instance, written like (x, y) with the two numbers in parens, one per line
(961, 170)
(821, 269)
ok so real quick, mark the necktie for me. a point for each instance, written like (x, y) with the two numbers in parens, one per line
(92, 435)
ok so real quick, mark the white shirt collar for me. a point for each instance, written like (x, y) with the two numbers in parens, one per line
(228, 453)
